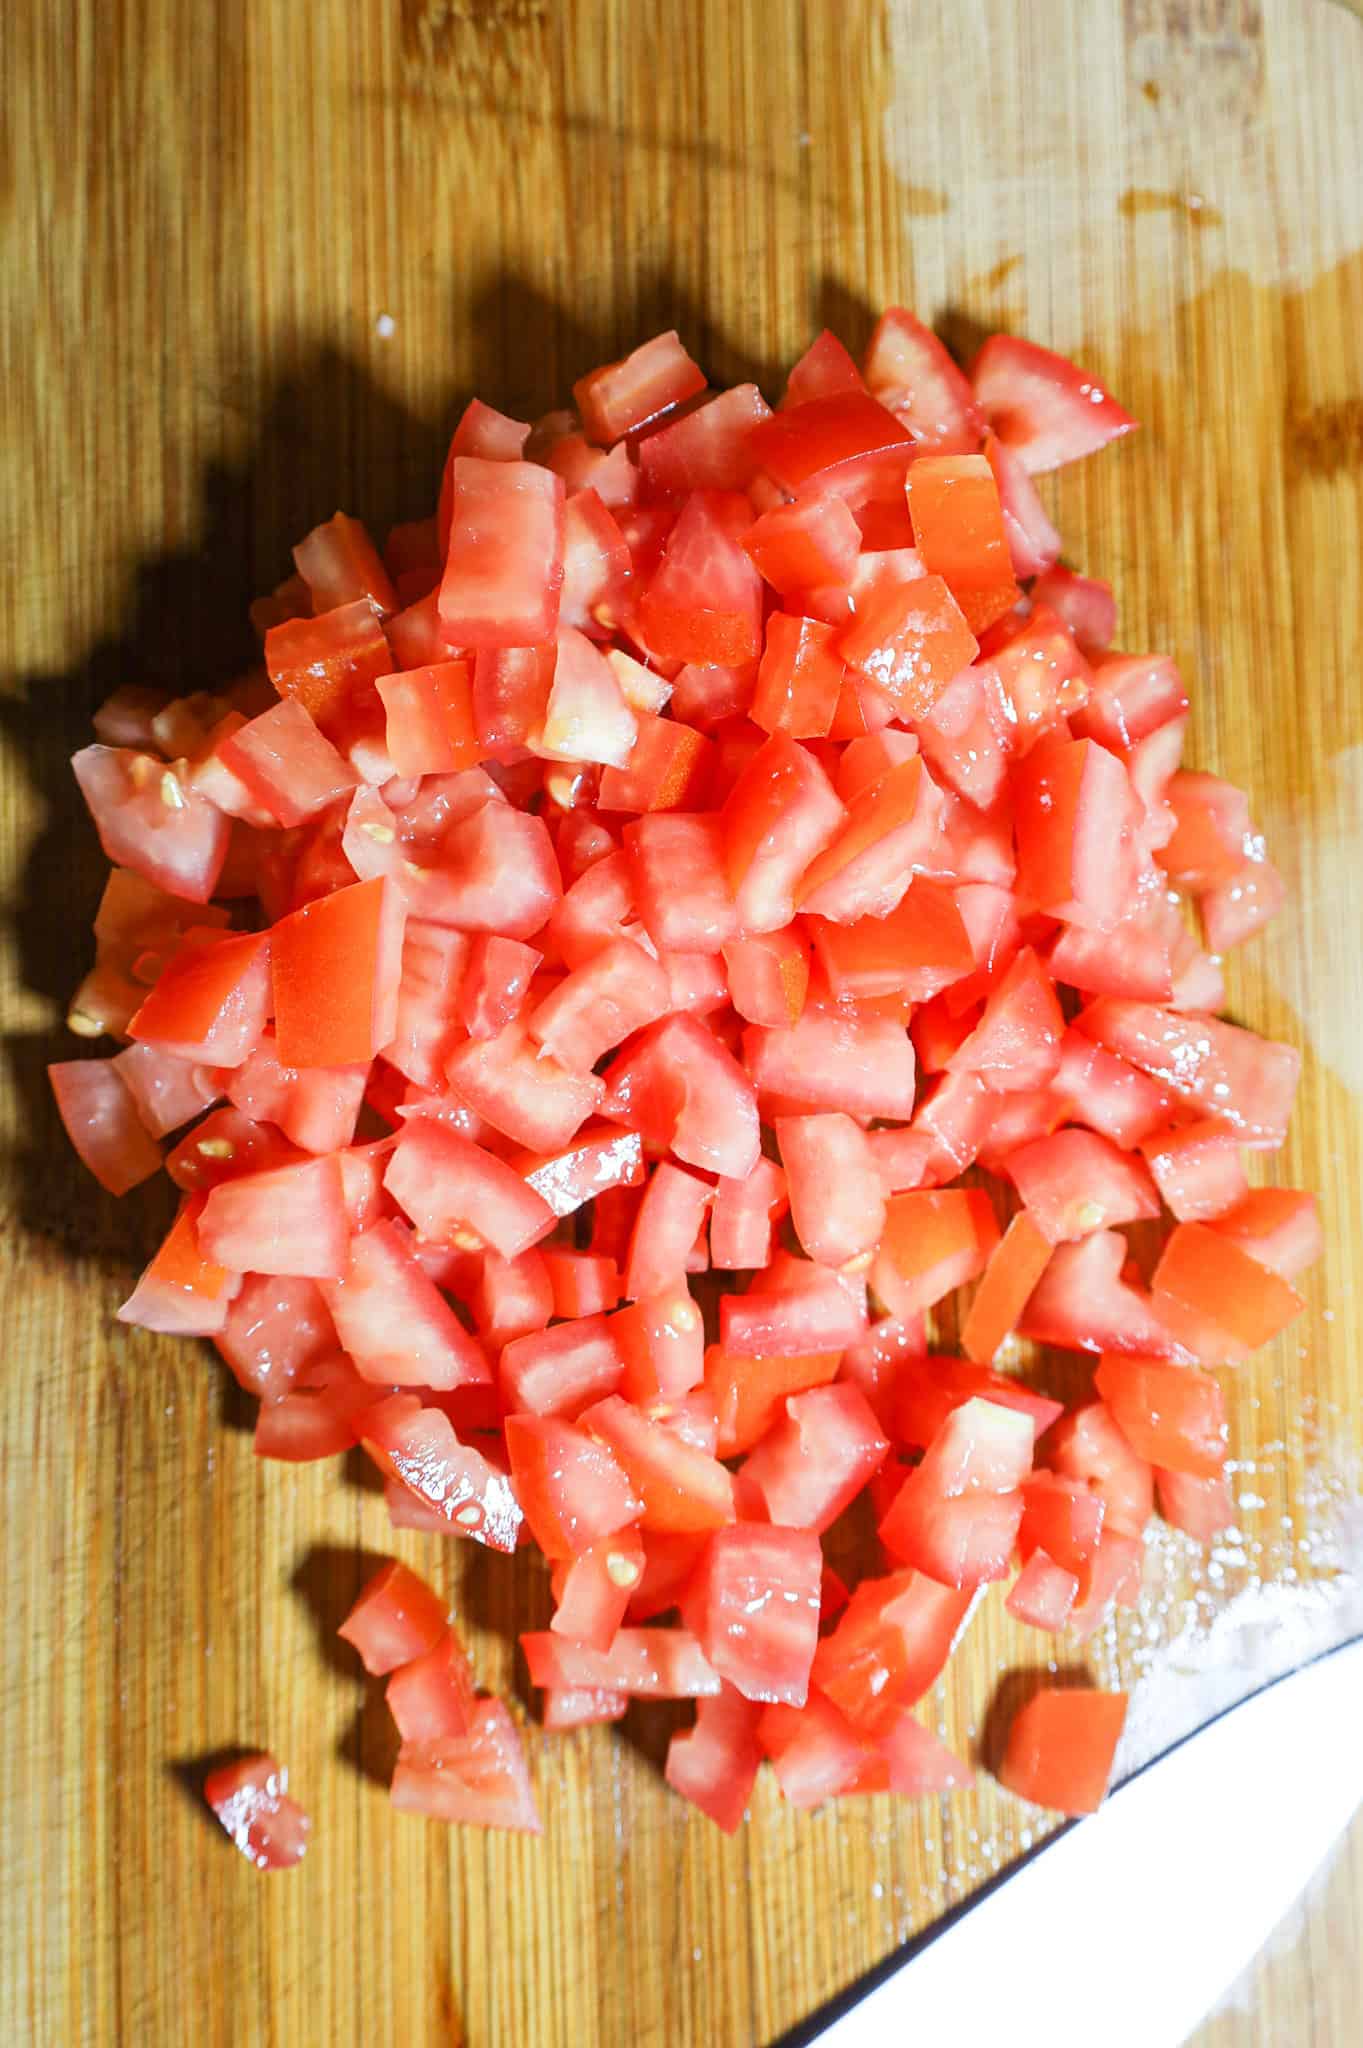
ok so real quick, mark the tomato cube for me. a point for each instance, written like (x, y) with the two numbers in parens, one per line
(753, 1605)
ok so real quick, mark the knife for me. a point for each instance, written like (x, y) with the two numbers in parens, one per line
(1127, 1927)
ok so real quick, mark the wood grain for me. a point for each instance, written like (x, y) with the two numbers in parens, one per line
(206, 212)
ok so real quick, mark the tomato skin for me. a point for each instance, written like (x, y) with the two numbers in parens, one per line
(101, 1119)
(830, 439)
(181, 1291)
(1221, 1302)
(396, 1618)
(334, 970)
(1014, 1267)
(210, 1001)
(620, 397)
(1060, 1748)
(251, 1801)
(753, 1605)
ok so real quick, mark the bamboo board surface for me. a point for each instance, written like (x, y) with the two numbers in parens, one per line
(208, 213)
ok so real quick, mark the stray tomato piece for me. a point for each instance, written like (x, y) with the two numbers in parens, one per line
(714, 1763)
(621, 397)
(1041, 405)
(1201, 1508)
(395, 1619)
(909, 370)
(479, 1778)
(251, 1800)
(431, 1697)
(1061, 1746)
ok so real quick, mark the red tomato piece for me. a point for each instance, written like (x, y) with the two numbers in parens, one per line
(956, 1516)
(1076, 1182)
(768, 976)
(835, 1059)
(1201, 1508)
(817, 1458)
(251, 1800)
(1042, 1594)
(321, 1419)
(395, 1619)
(742, 1217)
(620, 397)
(662, 1343)
(491, 991)
(675, 866)
(391, 1318)
(753, 1605)
(933, 1242)
(504, 563)
(561, 1370)
(574, 1492)
(749, 1393)
(585, 716)
(683, 1489)
(581, 1706)
(1010, 1277)
(909, 370)
(703, 602)
(824, 368)
(816, 1753)
(1198, 1169)
(959, 533)
(714, 1763)
(1102, 1091)
(801, 546)
(1041, 405)
(102, 1121)
(669, 767)
(1033, 543)
(911, 640)
(707, 448)
(596, 565)
(599, 1159)
(510, 695)
(335, 967)
(1219, 1301)
(1083, 1303)
(316, 1107)
(288, 1220)
(598, 1005)
(1229, 1073)
(181, 1291)
(1016, 1043)
(286, 764)
(1085, 603)
(340, 564)
(1280, 1227)
(685, 1092)
(451, 1188)
(841, 436)
(433, 1697)
(837, 1201)
(1061, 1746)
(1062, 1518)
(1212, 831)
(799, 679)
(926, 1391)
(889, 1647)
(781, 811)
(430, 729)
(891, 830)
(211, 999)
(418, 1446)
(480, 1778)
(1088, 1446)
(151, 821)
(1130, 696)
(1076, 818)
(522, 1092)
(1236, 909)
(331, 666)
(822, 1311)
(666, 1222)
(646, 1663)
(592, 1592)
(582, 1283)
(1171, 1415)
(512, 1298)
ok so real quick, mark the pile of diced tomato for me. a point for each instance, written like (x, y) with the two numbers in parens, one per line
(640, 943)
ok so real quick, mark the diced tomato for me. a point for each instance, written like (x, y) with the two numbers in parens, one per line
(250, 1798)
(479, 1778)
(1105, 1093)
(593, 1590)
(582, 1283)
(669, 768)
(676, 872)
(1280, 1227)
(504, 562)
(572, 1489)
(521, 1091)
(1198, 1169)
(683, 1489)
(331, 667)
(181, 1291)
(668, 1218)
(1202, 1508)
(149, 820)
(703, 602)
(432, 1697)
(958, 530)
(1016, 1043)
(813, 1463)
(1083, 1303)
(1171, 1415)
(799, 679)
(334, 969)
(1088, 1446)
(321, 1419)
(615, 993)
(683, 1090)
(1042, 1594)
(581, 1706)
(889, 832)
(932, 1243)
(768, 976)
(753, 1606)
(956, 1516)
(837, 1201)
(1076, 1182)
(1062, 1518)
(418, 1446)
(1234, 910)
(620, 397)
(560, 1371)
(396, 1618)
(781, 811)
(391, 1318)
(798, 547)
(889, 1646)
(289, 1220)
(451, 1188)
(649, 1663)
(1085, 603)
(1060, 1748)
(1076, 816)
(1033, 543)
(909, 370)
(102, 1122)
(1041, 405)
(430, 728)
(814, 1311)
(1015, 1266)
(835, 1059)
(911, 640)
(707, 448)
(316, 1106)
(211, 999)
(1217, 1299)
(714, 1763)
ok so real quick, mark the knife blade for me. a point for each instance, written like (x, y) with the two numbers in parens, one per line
(1156, 1902)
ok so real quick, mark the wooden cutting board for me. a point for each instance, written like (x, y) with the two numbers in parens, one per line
(254, 258)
